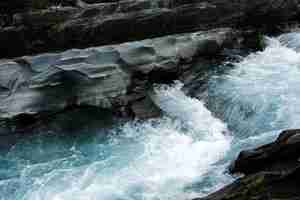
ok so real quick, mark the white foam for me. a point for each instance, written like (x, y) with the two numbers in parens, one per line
(190, 111)
(262, 90)
(156, 159)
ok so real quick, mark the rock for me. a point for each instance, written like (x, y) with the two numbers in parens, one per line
(260, 186)
(4, 20)
(17, 6)
(271, 171)
(266, 12)
(15, 36)
(12, 6)
(116, 77)
(45, 18)
(74, 3)
(279, 156)
(94, 24)
(100, 1)
(145, 108)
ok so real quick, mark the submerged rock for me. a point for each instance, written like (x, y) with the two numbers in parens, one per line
(116, 77)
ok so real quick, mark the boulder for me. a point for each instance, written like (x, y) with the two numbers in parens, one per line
(279, 156)
(261, 186)
(271, 171)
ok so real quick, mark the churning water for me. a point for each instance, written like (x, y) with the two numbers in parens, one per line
(182, 155)
(261, 93)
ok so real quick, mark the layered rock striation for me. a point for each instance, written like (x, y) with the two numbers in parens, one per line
(115, 77)
(108, 22)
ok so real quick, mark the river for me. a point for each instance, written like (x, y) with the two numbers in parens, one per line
(182, 155)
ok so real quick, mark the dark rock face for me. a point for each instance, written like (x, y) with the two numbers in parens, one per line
(279, 156)
(116, 77)
(12, 6)
(272, 171)
(95, 24)
(261, 186)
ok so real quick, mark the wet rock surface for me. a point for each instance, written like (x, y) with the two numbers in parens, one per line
(271, 171)
(262, 185)
(116, 77)
(279, 156)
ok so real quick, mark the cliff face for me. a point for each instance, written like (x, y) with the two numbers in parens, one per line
(82, 25)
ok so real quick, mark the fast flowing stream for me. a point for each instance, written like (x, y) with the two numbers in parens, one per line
(182, 155)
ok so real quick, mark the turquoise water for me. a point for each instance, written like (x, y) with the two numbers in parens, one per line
(182, 155)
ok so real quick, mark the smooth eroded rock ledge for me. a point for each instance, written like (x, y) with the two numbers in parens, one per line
(115, 77)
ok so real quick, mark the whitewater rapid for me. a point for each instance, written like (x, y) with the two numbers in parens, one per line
(157, 159)
(262, 90)
(182, 155)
